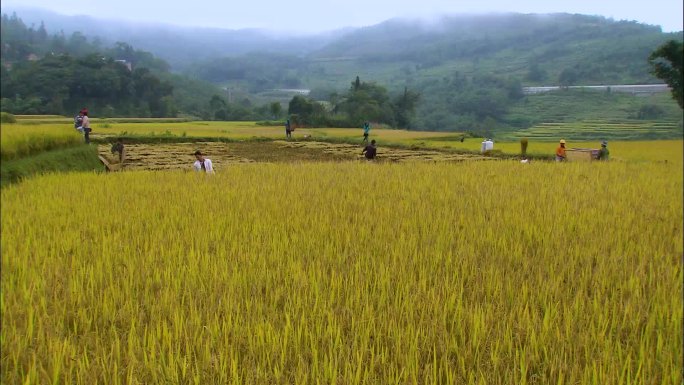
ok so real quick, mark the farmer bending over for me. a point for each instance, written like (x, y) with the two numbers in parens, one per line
(119, 147)
(370, 150)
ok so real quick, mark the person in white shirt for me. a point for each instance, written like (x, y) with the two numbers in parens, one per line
(487, 145)
(85, 124)
(202, 163)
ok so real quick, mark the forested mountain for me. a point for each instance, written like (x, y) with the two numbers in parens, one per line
(465, 71)
(45, 73)
(535, 48)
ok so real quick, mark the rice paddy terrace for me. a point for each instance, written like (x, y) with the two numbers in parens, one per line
(602, 129)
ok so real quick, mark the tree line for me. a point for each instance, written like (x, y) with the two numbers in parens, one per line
(61, 84)
(55, 74)
(363, 101)
(59, 74)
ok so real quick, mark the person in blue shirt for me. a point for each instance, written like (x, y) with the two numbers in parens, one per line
(366, 131)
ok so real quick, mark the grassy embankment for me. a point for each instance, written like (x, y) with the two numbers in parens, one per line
(26, 150)
(78, 158)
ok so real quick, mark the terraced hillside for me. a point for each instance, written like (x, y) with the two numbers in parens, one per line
(602, 129)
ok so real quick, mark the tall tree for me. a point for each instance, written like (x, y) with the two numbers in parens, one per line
(306, 112)
(42, 33)
(367, 102)
(276, 109)
(404, 107)
(568, 77)
(536, 73)
(667, 65)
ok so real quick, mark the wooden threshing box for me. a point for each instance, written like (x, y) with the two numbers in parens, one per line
(113, 164)
(581, 154)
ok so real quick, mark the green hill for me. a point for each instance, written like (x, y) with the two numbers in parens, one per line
(469, 69)
(534, 48)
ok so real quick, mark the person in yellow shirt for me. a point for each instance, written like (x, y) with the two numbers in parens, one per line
(560, 151)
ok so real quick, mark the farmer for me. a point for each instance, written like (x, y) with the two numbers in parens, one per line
(202, 163)
(370, 151)
(288, 129)
(560, 151)
(85, 123)
(78, 122)
(487, 145)
(603, 153)
(366, 131)
(119, 147)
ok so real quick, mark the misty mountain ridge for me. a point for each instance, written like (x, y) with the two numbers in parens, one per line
(179, 45)
(70, 23)
(448, 32)
(399, 52)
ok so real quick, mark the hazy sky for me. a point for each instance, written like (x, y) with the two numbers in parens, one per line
(323, 15)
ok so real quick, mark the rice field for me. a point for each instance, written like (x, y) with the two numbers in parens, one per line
(299, 263)
(179, 156)
(17, 140)
(178, 127)
(346, 273)
(247, 130)
(20, 140)
(62, 120)
(629, 151)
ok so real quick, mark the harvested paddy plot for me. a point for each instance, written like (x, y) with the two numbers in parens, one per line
(179, 155)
